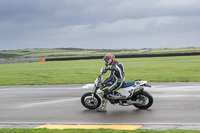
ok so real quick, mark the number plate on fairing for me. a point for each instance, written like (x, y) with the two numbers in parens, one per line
(128, 92)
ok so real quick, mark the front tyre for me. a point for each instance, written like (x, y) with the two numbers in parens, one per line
(90, 102)
(145, 99)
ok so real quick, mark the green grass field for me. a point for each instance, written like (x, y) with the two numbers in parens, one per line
(92, 131)
(155, 69)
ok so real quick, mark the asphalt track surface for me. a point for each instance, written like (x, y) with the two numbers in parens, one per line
(176, 106)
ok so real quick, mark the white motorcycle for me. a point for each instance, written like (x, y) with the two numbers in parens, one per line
(131, 93)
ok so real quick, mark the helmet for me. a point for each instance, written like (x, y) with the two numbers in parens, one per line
(109, 59)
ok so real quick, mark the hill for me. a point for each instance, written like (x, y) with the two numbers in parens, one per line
(80, 52)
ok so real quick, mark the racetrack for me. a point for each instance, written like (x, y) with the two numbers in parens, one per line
(175, 104)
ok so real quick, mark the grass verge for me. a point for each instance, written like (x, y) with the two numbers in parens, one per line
(155, 69)
(92, 131)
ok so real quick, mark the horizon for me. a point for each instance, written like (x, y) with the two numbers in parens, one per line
(100, 48)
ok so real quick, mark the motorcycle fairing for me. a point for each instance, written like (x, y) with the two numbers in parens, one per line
(125, 85)
(106, 86)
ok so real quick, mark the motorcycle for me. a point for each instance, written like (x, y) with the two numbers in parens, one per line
(131, 93)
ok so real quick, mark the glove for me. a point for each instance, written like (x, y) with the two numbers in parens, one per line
(106, 69)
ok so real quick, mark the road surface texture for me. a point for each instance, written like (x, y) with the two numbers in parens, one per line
(176, 106)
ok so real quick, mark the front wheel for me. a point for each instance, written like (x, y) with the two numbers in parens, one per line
(90, 102)
(145, 99)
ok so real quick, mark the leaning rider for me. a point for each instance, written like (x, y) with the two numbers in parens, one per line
(116, 77)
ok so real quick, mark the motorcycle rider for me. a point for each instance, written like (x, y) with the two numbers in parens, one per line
(116, 76)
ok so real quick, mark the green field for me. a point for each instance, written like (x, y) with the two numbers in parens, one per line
(155, 69)
(92, 131)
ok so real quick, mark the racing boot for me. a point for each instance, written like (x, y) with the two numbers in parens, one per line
(102, 108)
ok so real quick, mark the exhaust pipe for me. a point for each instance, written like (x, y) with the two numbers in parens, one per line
(117, 98)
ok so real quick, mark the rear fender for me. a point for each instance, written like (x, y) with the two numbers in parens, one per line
(147, 85)
(140, 82)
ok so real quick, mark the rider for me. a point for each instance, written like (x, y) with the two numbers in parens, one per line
(116, 77)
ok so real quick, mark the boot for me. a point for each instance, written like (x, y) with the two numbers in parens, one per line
(102, 108)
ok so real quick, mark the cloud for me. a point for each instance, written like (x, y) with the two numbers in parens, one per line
(103, 23)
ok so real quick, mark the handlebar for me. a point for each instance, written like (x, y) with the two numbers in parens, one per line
(103, 71)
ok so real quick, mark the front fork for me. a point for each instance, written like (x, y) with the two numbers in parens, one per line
(103, 100)
(92, 98)
(93, 92)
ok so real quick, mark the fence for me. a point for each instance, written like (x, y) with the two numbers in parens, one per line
(21, 61)
(98, 57)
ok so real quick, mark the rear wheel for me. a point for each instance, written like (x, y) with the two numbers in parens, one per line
(90, 102)
(145, 99)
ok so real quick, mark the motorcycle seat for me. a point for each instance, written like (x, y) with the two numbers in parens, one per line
(128, 84)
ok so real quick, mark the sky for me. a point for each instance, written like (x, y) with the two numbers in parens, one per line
(112, 24)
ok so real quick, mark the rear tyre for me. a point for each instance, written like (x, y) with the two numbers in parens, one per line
(89, 102)
(145, 98)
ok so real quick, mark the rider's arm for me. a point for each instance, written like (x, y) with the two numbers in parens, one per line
(110, 77)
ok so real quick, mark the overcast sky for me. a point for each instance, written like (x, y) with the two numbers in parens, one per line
(99, 23)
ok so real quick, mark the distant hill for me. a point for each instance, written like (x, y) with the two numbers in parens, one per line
(80, 52)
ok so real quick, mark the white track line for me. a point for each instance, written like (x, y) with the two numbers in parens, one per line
(48, 102)
(162, 61)
(85, 123)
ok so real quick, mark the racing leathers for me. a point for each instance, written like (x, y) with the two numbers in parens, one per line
(116, 76)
